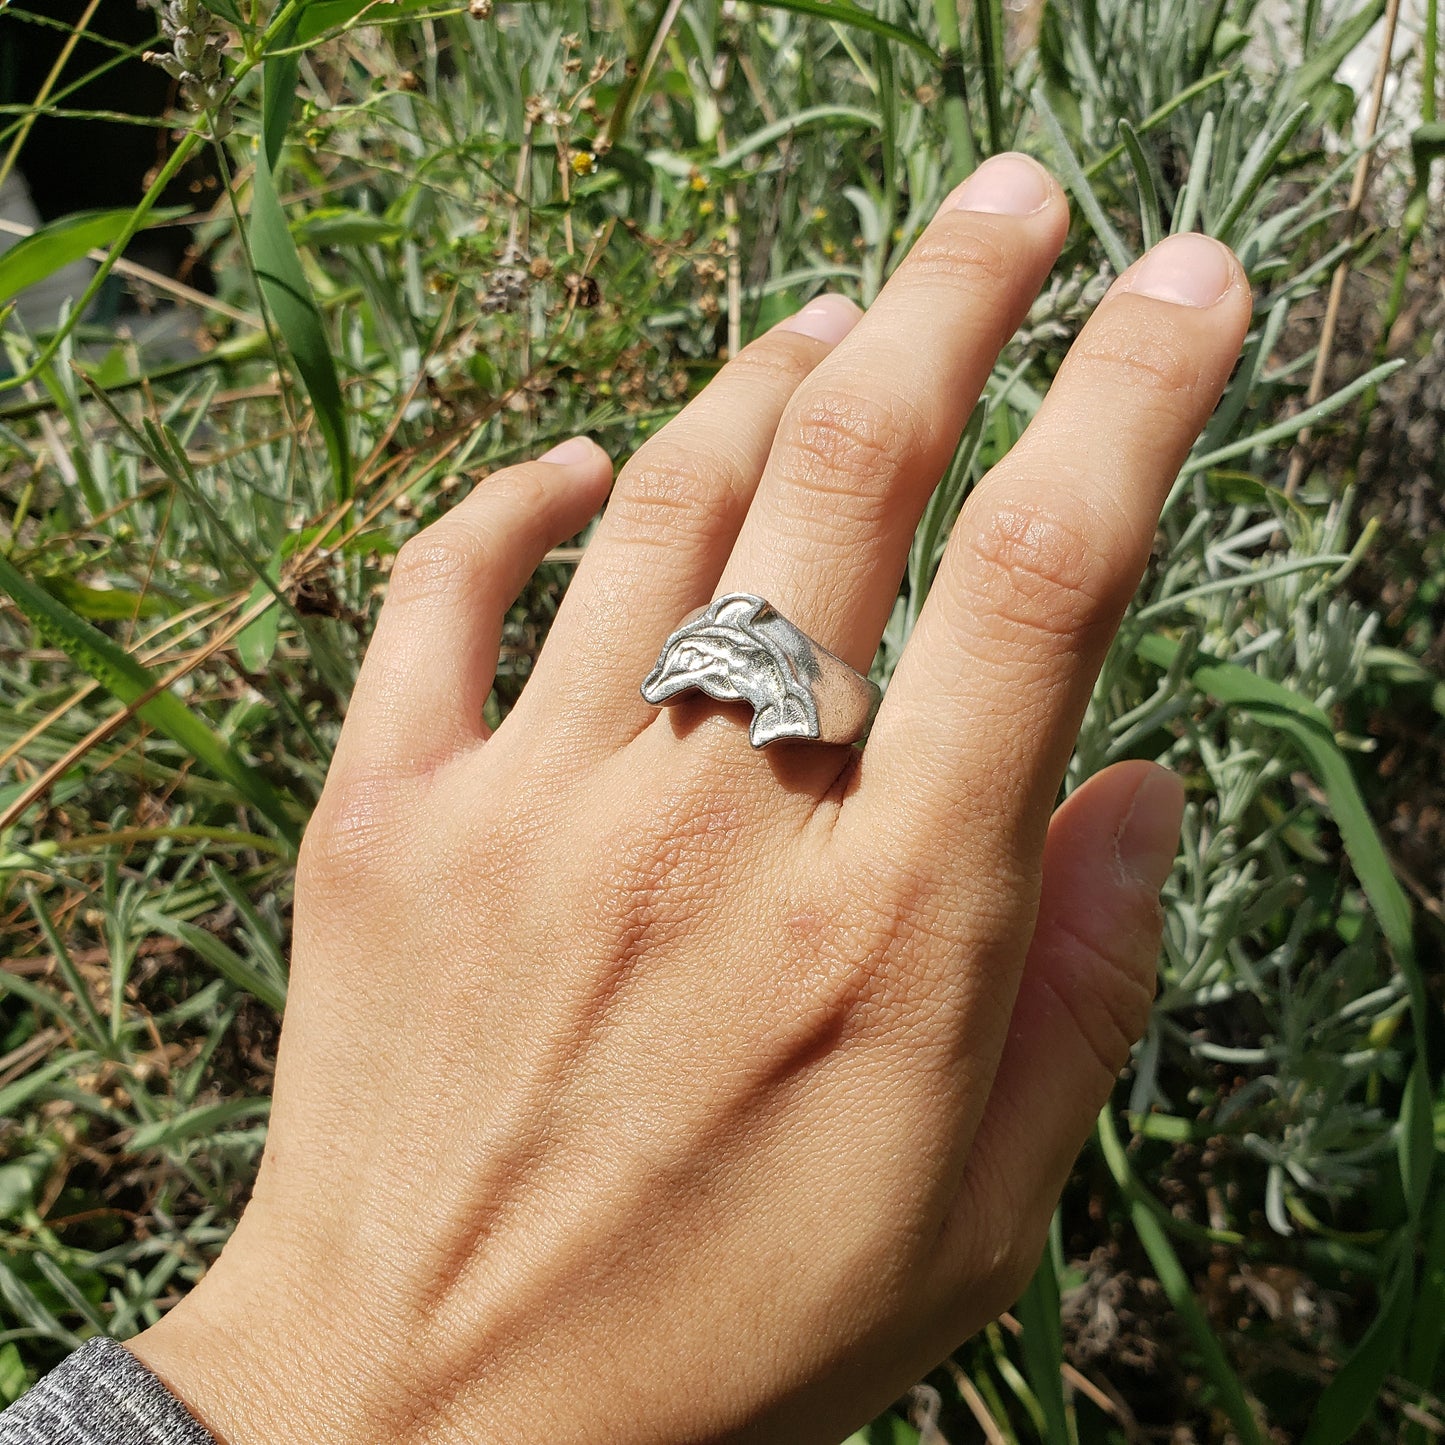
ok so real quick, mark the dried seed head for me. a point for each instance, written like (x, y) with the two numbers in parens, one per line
(584, 290)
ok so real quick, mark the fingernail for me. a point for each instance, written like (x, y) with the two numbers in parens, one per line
(1188, 269)
(570, 452)
(1148, 838)
(1006, 185)
(825, 318)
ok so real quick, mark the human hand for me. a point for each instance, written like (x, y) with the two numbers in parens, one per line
(639, 1086)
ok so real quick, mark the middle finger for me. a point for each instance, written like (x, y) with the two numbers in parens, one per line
(866, 437)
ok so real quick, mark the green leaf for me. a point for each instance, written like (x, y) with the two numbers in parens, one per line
(102, 604)
(1352, 1394)
(1144, 1212)
(129, 680)
(842, 13)
(1149, 211)
(1327, 58)
(1353, 1391)
(55, 246)
(1274, 706)
(256, 641)
(286, 291)
(832, 116)
(1042, 1342)
(343, 226)
(196, 1123)
(322, 16)
(14, 1380)
(225, 960)
(1078, 182)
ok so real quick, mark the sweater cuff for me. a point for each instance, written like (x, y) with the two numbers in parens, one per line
(100, 1395)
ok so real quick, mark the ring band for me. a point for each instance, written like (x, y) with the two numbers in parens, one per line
(741, 649)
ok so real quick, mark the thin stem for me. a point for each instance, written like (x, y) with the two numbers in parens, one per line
(1352, 216)
(1429, 62)
(61, 61)
(962, 153)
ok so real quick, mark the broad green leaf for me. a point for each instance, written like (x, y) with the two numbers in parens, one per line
(55, 246)
(129, 680)
(284, 286)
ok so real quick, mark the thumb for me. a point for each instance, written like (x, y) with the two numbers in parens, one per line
(1087, 986)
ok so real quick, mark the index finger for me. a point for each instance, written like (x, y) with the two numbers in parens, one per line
(970, 744)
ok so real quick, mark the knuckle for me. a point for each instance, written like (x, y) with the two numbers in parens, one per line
(843, 442)
(960, 249)
(437, 562)
(349, 836)
(1132, 359)
(775, 362)
(1039, 572)
(522, 491)
(659, 492)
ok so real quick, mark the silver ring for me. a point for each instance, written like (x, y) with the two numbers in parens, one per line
(741, 649)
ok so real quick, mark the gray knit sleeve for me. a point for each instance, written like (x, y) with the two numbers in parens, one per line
(100, 1395)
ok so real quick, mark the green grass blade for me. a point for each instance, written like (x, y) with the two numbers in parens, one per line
(322, 16)
(130, 681)
(199, 1122)
(1327, 58)
(288, 294)
(844, 14)
(1149, 213)
(1042, 1343)
(95, 1028)
(989, 26)
(1171, 1274)
(55, 246)
(1351, 1395)
(225, 960)
(1078, 184)
(834, 117)
(1275, 706)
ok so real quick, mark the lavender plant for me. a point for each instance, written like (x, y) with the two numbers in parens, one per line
(524, 221)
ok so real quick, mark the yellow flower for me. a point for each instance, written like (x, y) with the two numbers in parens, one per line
(583, 163)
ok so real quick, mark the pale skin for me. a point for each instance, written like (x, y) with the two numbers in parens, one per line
(637, 1086)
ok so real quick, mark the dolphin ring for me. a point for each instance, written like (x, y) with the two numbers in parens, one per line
(740, 649)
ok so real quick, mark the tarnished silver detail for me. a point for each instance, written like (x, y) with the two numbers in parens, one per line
(740, 649)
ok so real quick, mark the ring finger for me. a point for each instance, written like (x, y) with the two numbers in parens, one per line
(669, 524)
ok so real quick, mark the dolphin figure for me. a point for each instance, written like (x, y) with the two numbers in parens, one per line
(726, 652)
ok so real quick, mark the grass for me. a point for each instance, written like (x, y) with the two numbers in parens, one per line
(473, 231)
